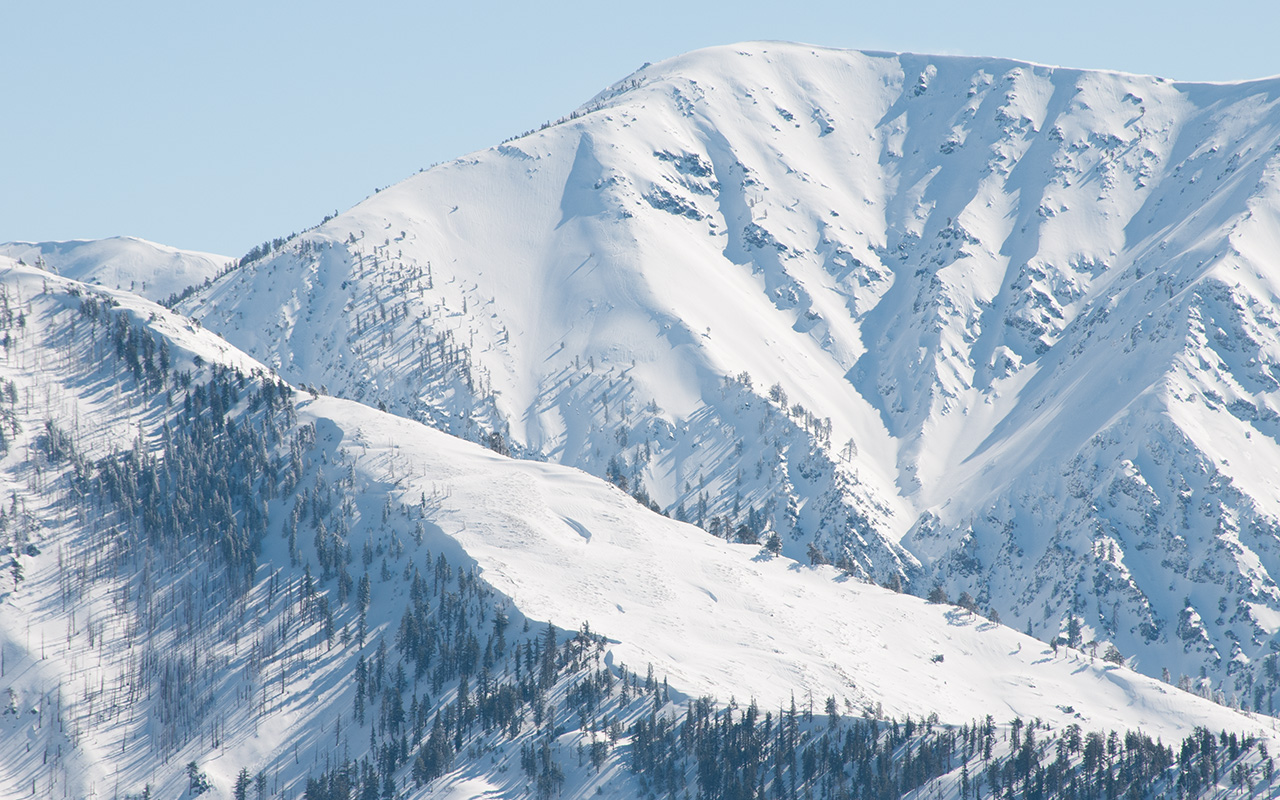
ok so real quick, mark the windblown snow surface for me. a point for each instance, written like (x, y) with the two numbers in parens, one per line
(1004, 328)
(123, 661)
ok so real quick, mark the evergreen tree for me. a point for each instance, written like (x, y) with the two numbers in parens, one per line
(243, 782)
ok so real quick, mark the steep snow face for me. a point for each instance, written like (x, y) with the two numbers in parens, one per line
(138, 634)
(1013, 313)
(154, 271)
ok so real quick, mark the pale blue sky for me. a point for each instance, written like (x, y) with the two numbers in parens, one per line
(215, 125)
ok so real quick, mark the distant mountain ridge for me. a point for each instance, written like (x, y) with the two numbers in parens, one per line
(996, 326)
(154, 271)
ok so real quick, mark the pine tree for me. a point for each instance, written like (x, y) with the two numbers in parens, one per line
(1075, 636)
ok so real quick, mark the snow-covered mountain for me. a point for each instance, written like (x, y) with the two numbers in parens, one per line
(154, 271)
(212, 577)
(992, 326)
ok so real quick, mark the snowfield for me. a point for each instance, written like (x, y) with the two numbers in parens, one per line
(729, 620)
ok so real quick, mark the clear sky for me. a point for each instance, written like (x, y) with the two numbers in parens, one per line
(215, 125)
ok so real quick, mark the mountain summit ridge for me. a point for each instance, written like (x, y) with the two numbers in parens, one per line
(936, 319)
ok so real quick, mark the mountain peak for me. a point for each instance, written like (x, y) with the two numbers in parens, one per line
(763, 326)
(915, 314)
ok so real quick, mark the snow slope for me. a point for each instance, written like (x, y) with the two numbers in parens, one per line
(125, 658)
(992, 325)
(727, 620)
(152, 270)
